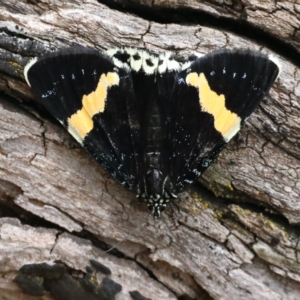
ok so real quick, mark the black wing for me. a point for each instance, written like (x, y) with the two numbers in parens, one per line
(95, 100)
(210, 101)
(153, 80)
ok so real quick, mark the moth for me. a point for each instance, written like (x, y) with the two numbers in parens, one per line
(153, 122)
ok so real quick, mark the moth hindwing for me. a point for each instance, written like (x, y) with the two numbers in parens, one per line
(153, 122)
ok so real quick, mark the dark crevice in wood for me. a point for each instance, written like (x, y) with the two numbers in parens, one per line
(98, 243)
(15, 43)
(11, 210)
(18, 35)
(195, 17)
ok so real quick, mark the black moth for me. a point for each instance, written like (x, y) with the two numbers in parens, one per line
(154, 123)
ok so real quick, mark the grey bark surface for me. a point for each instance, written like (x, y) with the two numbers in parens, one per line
(278, 18)
(242, 245)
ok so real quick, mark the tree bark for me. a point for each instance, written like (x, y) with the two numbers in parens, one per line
(57, 204)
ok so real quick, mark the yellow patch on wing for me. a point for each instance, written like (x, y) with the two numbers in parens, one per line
(94, 102)
(81, 123)
(225, 121)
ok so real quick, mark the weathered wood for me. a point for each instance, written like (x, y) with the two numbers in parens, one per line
(280, 19)
(218, 247)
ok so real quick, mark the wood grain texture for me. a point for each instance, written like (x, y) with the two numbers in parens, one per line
(242, 245)
(277, 18)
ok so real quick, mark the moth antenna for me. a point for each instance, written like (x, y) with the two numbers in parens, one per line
(128, 235)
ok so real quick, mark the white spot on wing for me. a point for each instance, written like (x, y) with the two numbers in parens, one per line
(172, 64)
(188, 181)
(130, 51)
(163, 66)
(233, 131)
(186, 65)
(181, 81)
(135, 64)
(74, 132)
(276, 61)
(120, 64)
(112, 52)
(154, 60)
(196, 172)
(49, 93)
(27, 67)
(168, 63)
(149, 63)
